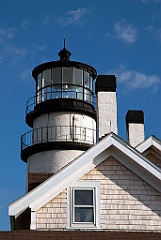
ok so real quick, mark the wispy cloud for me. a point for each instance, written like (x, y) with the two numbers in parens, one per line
(153, 1)
(133, 79)
(74, 17)
(25, 24)
(149, 28)
(14, 50)
(46, 21)
(125, 32)
(158, 31)
(6, 34)
(155, 32)
(7, 47)
(25, 74)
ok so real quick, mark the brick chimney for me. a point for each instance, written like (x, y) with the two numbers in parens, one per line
(106, 105)
(135, 127)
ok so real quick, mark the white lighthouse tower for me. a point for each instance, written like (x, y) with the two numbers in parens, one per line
(62, 117)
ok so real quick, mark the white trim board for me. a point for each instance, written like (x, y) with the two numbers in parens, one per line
(152, 142)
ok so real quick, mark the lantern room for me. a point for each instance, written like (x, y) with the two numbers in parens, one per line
(68, 83)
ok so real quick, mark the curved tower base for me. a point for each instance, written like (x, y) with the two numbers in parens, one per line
(44, 164)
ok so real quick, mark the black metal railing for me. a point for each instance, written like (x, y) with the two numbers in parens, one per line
(76, 134)
(52, 92)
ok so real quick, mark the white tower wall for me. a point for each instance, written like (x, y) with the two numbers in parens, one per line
(51, 161)
(64, 126)
(59, 126)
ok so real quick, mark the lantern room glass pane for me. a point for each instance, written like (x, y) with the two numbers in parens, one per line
(88, 96)
(91, 83)
(67, 75)
(39, 82)
(79, 92)
(47, 77)
(56, 75)
(86, 79)
(78, 77)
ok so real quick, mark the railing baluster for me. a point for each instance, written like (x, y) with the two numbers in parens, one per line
(49, 92)
(57, 133)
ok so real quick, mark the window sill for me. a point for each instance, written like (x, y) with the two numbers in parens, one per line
(84, 228)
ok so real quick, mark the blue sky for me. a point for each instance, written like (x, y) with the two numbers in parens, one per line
(121, 37)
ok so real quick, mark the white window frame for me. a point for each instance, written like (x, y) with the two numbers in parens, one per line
(74, 205)
(84, 185)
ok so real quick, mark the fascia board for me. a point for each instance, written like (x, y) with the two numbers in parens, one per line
(137, 163)
(157, 143)
(50, 188)
(149, 142)
(137, 157)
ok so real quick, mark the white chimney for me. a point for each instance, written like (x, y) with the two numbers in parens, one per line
(135, 127)
(106, 105)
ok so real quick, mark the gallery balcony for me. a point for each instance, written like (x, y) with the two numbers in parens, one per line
(56, 137)
(64, 98)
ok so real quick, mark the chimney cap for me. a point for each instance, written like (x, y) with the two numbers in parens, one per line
(106, 83)
(135, 116)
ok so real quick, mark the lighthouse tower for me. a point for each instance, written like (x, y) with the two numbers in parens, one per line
(62, 117)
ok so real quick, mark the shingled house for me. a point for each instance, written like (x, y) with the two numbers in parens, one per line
(82, 179)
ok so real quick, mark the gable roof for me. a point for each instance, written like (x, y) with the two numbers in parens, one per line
(151, 142)
(111, 145)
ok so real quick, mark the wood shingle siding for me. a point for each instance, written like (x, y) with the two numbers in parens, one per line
(127, 201)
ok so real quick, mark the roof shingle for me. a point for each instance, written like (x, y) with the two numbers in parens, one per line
(78, 235)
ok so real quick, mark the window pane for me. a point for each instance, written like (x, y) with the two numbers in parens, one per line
(88, 96)
(56, 76)
(83, 197)
(67, 75)
(78, 77)
(86, 79)
(84, 214)
(39, 84)
(91, 83)
(47, 77)
(79, 93)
